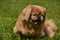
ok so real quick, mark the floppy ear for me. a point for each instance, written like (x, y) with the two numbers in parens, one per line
(26, 13)
(44, 11)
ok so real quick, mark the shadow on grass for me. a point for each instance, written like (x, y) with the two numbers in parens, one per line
(1, 37)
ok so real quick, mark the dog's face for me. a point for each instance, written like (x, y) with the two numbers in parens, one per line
(37, 16)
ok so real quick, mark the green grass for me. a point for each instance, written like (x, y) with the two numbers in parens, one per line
(10, 9)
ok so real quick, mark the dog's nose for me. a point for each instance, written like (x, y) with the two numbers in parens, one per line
(38, 18)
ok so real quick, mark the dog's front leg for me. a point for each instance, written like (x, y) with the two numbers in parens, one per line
(17, 33)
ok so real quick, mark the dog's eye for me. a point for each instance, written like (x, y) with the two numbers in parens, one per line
(39, 13)
(42, 15)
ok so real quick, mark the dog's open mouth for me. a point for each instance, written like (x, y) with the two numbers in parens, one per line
(36, 22)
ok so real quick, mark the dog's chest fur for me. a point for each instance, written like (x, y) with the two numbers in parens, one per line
(34, 31)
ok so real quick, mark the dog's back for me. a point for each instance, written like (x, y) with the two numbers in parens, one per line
(50, 28)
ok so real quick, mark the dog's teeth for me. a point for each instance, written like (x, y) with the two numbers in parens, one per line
(35, 22)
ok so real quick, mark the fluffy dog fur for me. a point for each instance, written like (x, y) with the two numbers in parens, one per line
(50, 28)
(31, 22)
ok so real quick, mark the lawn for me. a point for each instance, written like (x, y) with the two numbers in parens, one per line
(10, 9)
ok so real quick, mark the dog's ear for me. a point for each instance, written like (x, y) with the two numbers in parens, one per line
(44, 12)
(26, 13)
(44, 9)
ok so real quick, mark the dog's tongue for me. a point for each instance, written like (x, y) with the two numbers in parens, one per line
(36, 23)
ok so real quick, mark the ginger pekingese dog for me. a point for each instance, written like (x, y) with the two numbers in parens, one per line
(31, 22)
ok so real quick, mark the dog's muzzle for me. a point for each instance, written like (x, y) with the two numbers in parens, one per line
(37, 20)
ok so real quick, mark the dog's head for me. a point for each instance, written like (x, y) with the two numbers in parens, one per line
(34, 14)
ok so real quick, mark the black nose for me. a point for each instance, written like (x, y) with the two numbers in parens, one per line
(38, 18)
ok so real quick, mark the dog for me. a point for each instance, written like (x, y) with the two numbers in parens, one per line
(50, 28)
(30, 21)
